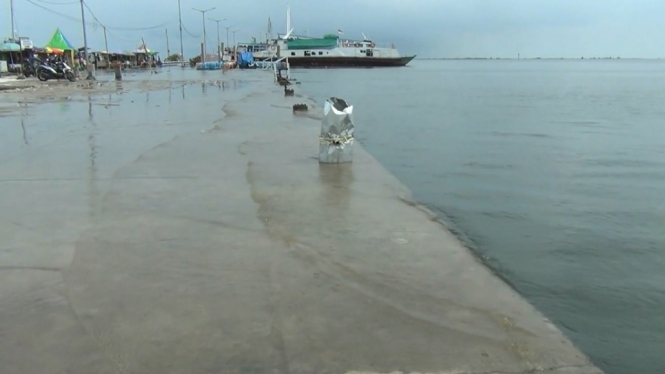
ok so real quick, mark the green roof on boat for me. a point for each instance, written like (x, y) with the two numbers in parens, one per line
(312, 43)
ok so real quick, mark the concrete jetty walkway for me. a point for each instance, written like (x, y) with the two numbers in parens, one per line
(226, 248)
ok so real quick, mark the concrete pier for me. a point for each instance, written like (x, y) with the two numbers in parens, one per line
(219, 244)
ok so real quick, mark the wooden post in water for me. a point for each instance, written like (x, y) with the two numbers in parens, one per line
(118, 71)
(202, 55)
(168, 50)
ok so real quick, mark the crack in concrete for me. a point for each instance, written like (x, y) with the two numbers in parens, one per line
(97, 179)
(540, 370)
(594, 370)
(39, 268)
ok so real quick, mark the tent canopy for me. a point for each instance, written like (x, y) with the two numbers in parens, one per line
(9, 47)
(58, 41)
(54, 50)
(146, 51)
(141, 48)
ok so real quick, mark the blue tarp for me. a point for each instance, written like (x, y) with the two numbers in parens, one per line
(246, 58)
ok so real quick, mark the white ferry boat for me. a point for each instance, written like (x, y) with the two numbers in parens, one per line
(329, 51)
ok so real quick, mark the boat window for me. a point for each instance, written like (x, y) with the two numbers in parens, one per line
(293, 53)
(362, 51)
(306, 53)
(320, 53)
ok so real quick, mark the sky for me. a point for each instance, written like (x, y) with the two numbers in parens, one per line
(428, 28)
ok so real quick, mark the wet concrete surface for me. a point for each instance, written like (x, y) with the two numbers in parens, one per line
(192, 230)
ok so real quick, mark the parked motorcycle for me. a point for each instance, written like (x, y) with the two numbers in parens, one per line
(55, 70)
(30, 66)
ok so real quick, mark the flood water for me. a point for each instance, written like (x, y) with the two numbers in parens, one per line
(180, 222)
(553, 171)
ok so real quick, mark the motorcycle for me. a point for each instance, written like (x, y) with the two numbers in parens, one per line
(56, 70)
(30, 66)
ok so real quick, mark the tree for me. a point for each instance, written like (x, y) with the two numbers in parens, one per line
(173, 57)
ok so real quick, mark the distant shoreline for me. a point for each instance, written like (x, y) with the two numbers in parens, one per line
(538, 58)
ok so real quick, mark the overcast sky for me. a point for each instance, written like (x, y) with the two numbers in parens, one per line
(429, 28)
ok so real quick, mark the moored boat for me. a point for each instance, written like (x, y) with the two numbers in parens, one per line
(329, 51)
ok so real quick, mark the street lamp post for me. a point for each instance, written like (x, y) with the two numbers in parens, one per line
(219, 57)
(89, 67)
(203, 17)
(227, 35)
(11, 11)
(182, 50)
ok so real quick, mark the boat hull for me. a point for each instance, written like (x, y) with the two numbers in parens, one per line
(343, 62)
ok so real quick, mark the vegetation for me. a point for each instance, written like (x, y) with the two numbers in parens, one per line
(173, 57)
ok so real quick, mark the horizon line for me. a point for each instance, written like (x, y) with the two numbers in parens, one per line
(539, 58)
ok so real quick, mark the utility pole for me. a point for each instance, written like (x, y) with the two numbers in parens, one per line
(234, 40)
(269, 30)
(219, 57)
(106, 45)
(203, 17)
(182, 53)
(11, 11)
(89, 67)
(227, 35)
(168, 50)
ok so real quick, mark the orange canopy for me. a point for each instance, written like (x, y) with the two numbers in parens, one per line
(54, 50)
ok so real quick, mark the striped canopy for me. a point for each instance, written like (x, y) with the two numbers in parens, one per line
(59, 42)
(56, 51)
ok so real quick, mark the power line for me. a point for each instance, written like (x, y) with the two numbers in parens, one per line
(57, 3)
(54, 11)
(126, 28)
(97, 21)
(142, 28)
(119, 37)
(190, 34)
(92, 14)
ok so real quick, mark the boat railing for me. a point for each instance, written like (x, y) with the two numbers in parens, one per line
(359, 44)
(266, 65)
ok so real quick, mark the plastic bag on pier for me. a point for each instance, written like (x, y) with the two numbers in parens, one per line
(336, 140)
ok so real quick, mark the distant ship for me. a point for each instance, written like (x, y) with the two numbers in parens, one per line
(329, 51)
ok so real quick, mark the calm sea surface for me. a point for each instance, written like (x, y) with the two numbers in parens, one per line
(553, 171)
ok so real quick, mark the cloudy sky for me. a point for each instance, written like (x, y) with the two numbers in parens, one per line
(429, 28)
